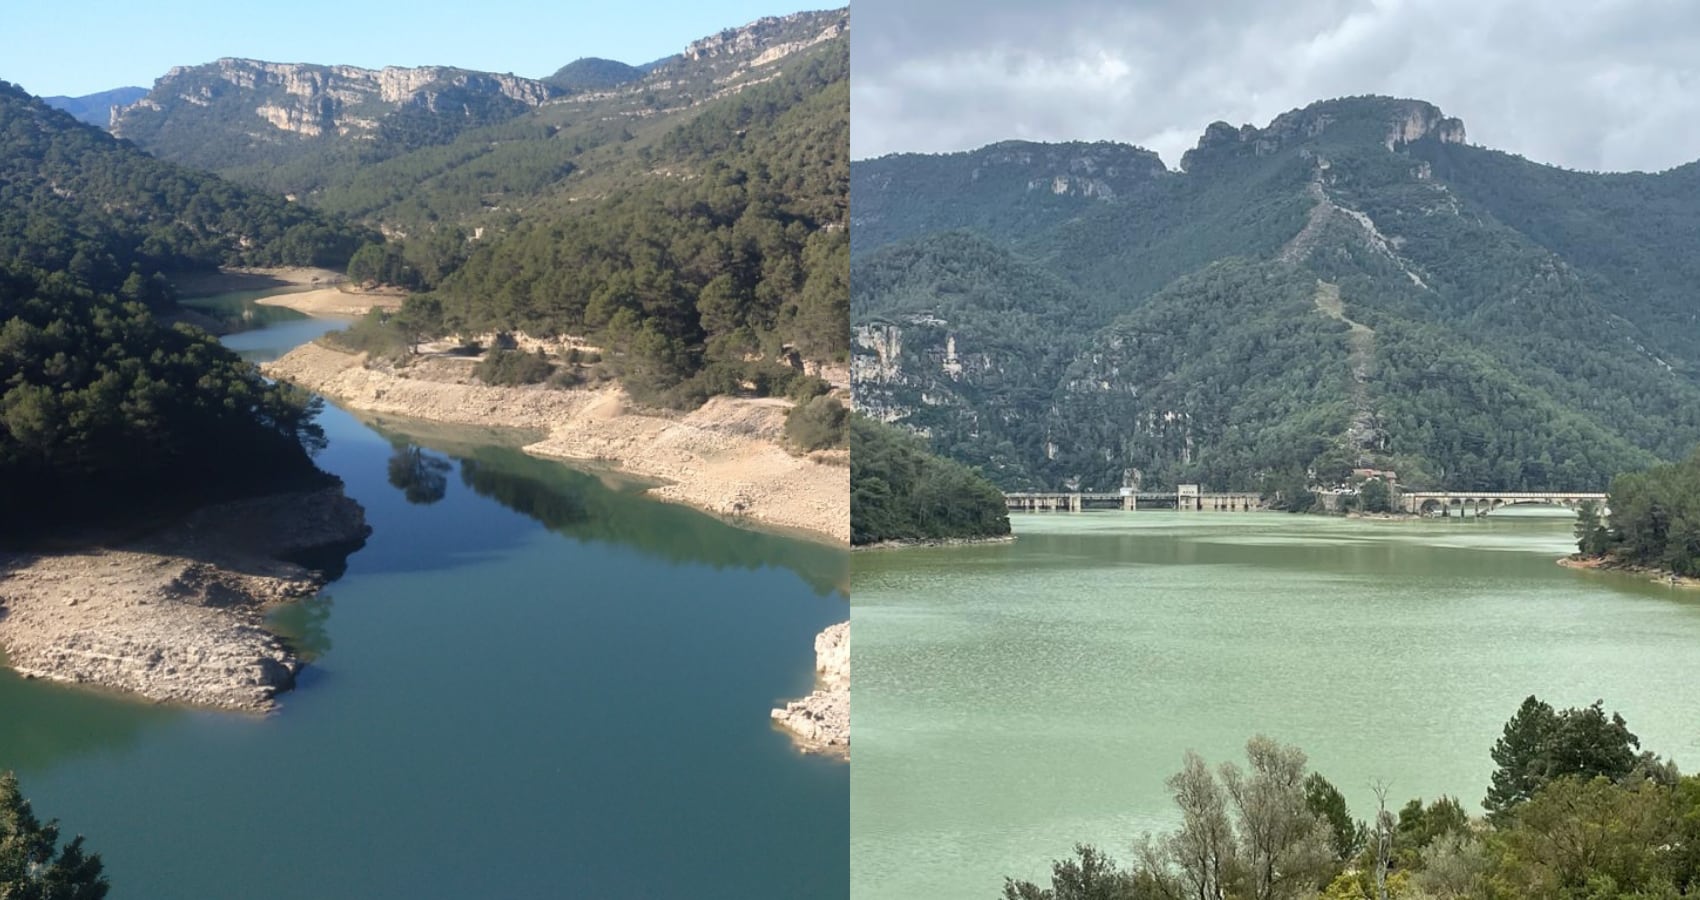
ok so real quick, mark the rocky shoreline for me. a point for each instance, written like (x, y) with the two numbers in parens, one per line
(820, 722)
(725, 458)
(1607, 564)
(179, 615)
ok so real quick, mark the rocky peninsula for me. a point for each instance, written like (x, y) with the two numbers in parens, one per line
(820, 722)
(178, 615)
(726, 457)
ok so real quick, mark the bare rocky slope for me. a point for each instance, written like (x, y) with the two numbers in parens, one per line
(725, 457)
(179, 615)
(821, 721)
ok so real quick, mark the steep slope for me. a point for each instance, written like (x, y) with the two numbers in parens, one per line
(245, 118)
(417, 151)
(96, 109)
(726, 252)
(900, 492)
(74, 199)
(1324, 292)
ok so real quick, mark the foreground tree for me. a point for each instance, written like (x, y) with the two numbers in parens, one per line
(1541, 744)
(1591, 837)
(32, 866)
(1093, 877)
(1285, 845)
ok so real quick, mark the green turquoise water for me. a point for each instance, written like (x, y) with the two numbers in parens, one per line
(1012, 700)
(531, 682)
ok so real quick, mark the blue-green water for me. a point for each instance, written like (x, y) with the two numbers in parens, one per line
(1012, 700)
(531, 682)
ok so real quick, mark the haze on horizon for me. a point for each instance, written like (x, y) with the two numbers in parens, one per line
(1609, 87)
(117, 44)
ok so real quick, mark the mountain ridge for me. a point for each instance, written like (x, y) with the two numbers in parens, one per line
(1401, 230)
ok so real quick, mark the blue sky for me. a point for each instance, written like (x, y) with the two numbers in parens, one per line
(77, 48)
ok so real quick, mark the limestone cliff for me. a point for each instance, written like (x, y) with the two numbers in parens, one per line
(315, 100)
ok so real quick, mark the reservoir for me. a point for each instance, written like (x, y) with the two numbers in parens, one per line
(531, 682)
(1015, 699)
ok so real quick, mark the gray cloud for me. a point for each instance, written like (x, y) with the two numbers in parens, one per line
(1609, 85)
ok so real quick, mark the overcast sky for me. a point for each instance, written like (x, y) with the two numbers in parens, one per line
(1607, 85)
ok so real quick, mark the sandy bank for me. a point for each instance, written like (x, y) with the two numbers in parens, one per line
(821, 721)
(178, 616)
(225, 280)
(725, 457)
(1606, 564)
(336, 302)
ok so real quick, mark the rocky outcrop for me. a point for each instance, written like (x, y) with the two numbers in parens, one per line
(770, 38)
(314, 100)
(820, 722)
(1396, 121)
(179, 616)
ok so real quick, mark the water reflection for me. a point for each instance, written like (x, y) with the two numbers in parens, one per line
(420, 476)
(304, 624)
(598, 507)
(42, 724)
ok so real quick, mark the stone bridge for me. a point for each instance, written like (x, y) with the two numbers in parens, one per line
(1480, 503)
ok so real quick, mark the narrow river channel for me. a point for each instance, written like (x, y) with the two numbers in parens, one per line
(531, 682)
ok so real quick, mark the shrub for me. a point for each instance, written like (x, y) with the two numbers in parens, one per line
(817, 424)
(373, 334)
(511, 367)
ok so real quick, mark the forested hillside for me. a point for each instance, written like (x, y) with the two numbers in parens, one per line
(104, 412)
(688, 217)
(1654, 520)
(438, 151)
(73, 199)
(900, 492)
(734, 249)
(1350, 286)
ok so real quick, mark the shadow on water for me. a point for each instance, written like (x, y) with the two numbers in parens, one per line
(594, 507)
(44, 724)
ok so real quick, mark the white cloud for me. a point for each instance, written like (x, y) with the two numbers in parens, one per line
(1609, 85)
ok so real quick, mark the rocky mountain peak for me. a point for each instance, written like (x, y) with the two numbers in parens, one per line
(771, 37)
(1352, 120)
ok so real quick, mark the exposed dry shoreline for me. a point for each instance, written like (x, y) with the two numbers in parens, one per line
(179, 615)
(725, 458)
(337, 302)
(1606, 564)
(228, 279)
(820, 722)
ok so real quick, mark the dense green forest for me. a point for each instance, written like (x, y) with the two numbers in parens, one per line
(33, 866)
(1577, 811)
(594, 74)
(900, 492)
(1299, 300)
(689, 216)
(683, 279)
(1654, 520)
(75, 200)
(105, 412)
